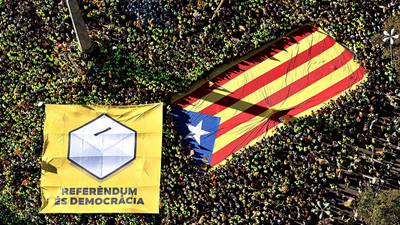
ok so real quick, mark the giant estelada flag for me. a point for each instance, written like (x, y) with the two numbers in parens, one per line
(241, 103)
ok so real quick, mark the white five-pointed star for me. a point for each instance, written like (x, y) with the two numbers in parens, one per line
(196, 131)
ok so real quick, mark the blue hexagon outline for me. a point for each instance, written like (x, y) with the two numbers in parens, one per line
(117, 169)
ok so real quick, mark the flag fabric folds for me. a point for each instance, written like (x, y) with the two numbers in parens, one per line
(247, 100)
(101, 159)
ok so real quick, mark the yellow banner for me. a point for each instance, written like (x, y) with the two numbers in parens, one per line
(101, 159)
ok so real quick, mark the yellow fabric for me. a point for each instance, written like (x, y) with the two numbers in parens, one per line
(141, 175)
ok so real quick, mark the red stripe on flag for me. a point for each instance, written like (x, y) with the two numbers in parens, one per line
(286, 92)
(355, 77)
(269, 76)
(311, 102)
(241, 67)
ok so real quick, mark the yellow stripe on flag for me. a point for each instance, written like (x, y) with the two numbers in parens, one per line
(310, 110)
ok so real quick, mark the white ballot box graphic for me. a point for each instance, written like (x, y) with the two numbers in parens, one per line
(102, 146)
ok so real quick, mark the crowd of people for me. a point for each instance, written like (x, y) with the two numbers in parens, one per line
(309, 172)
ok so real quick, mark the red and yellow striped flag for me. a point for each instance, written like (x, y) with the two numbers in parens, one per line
(246, 102)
